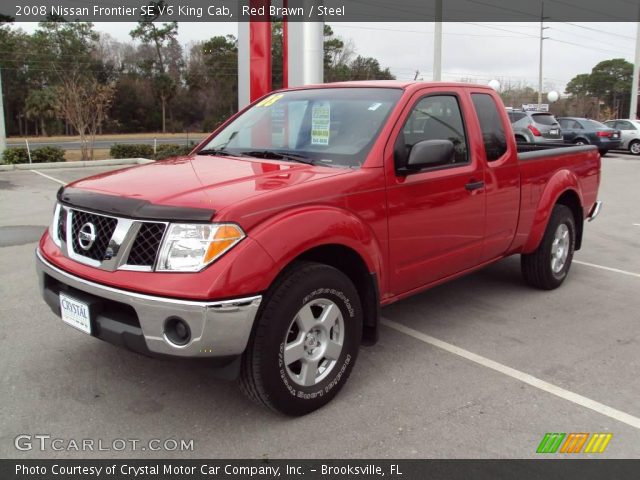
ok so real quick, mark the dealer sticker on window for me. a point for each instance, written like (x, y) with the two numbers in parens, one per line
(320, 123)
(75, 313)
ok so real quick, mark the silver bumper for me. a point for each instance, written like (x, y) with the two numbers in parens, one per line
(218, 329)
(595, 211)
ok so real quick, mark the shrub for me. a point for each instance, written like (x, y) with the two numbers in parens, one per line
(168, 150)
(47, 154)
(15, 155)
(131, 150)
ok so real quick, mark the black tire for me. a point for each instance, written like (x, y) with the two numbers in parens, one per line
(521, 139)
(264, 377)
(580, 141)
(634, 147)
(603, 152)
(537, 267)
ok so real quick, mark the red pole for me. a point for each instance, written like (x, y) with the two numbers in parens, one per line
(285, 47)
(260, 53)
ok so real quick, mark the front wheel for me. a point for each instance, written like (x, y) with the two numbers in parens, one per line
(634, 147)
(306, 340)
(548, 266)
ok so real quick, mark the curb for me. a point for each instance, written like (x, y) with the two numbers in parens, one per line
(82, 163)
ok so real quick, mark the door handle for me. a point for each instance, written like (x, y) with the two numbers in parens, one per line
(474, 185)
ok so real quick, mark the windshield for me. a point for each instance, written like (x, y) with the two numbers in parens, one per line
(327, 126)
(594, 124)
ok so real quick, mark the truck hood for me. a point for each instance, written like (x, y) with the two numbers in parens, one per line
(203, 182)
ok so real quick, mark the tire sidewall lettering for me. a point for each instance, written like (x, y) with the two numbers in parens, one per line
(335, 379)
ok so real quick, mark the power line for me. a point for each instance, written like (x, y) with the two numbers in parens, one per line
(598, 30)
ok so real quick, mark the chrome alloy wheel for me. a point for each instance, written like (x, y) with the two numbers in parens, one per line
(313, 343)
(560, 248)
(635, 148)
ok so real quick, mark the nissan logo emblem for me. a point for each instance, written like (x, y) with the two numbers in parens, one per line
(87, 236)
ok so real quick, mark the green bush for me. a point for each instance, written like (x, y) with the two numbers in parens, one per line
(168, 150)
(47, 154)
(131, 150)
(15, 155)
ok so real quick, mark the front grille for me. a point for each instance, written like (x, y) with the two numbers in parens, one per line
(104, 228)
(146, 245)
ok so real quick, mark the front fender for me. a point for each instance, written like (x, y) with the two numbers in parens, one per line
(561, 182)
(294, 232)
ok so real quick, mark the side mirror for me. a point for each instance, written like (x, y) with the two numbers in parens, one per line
(430, 153)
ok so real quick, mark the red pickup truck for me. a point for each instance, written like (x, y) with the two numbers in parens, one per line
(272, 246)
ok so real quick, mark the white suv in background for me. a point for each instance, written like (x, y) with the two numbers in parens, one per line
(629, 133)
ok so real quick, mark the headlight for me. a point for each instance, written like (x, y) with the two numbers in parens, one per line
(191, 247)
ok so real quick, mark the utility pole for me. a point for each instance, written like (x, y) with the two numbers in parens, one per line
(633, 110)
(3, 132)
(437, 43)
(542, 39)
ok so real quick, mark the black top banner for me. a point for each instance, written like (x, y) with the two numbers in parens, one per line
(323, 10)
(319, 469)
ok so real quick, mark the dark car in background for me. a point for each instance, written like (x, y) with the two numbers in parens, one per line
(584, 131)
(535, 127)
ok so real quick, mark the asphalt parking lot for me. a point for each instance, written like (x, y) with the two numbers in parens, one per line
(481, 367)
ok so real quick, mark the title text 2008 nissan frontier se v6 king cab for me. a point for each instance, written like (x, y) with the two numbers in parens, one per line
(274, 244)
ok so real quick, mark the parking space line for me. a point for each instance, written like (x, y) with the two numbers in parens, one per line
(518, 375)
(47, 176)
(602, 267)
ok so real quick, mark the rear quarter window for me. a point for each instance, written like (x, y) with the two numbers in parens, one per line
(493, 135)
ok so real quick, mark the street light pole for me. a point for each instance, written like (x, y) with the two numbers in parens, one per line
(437, 43)
(542, 39)
(633, 110)
(3, 132)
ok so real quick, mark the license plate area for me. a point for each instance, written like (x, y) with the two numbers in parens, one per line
(554, 132)
(75, 313)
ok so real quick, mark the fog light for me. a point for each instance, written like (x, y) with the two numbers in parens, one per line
(177, 331)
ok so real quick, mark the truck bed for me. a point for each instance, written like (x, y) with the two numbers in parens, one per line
(540, 163)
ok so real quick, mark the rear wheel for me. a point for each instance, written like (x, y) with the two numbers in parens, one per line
(580, 141)
(306, 340)
(634, 147)
(548, 266)
(603, 152)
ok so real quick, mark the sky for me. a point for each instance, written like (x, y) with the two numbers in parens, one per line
(472, 51)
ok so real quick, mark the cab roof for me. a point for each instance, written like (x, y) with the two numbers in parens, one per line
(390, 84)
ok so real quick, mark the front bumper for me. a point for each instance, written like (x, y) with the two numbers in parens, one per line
(137, 321)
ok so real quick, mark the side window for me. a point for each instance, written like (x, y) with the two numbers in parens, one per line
(564, 123)
(495, 140)
(433, 118)
(625, 126)
(577, 125)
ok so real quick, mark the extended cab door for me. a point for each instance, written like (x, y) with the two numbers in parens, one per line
(502, 175)
(436, 215)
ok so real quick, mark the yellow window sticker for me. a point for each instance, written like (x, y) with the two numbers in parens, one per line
(270, 100)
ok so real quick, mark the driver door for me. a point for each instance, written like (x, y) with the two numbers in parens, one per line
(436, 215)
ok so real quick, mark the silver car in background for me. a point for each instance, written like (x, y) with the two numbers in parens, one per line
(535, 127)
(629, 133)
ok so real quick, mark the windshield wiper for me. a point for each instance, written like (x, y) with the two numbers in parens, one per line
(274, 155)
(216, 151)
